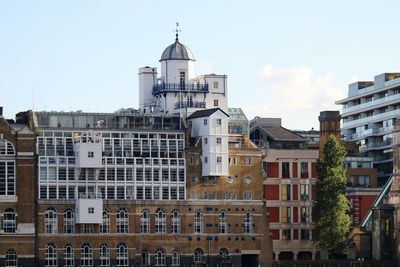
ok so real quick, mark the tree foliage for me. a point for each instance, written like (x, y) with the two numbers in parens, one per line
(331, 208)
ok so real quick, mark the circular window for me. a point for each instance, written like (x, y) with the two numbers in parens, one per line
(247, 180)
(195, 180)
(229, 179)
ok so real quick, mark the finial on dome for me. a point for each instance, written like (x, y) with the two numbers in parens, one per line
(176, 31)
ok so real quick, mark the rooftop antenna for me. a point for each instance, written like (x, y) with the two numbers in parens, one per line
(177, 30)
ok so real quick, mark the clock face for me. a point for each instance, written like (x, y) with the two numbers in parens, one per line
(195, 180)
(247, 180)
(229, 179)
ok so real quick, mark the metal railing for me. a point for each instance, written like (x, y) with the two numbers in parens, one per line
(177, 87)
(190, 104)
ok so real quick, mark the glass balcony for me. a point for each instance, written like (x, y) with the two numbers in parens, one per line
(177, 87)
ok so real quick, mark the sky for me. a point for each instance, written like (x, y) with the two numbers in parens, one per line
(286, 59)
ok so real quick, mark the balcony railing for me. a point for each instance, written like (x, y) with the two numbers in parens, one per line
(373, 145)
(190, 104)
(177, 87)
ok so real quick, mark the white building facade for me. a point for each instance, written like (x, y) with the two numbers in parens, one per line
(368, 114)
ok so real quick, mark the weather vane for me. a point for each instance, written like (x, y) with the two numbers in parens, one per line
(177, 30)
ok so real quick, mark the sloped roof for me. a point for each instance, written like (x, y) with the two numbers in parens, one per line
(205, 113)
(279, 133)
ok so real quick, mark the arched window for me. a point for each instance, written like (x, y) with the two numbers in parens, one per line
(161, 221)
(198, 222)
(198, 256)
(9, 222)
(105, 226)
(145, 222)
(122, 255)
(223, 222)
(160, 257)
(11, 258)
(223, 254)
(176, 222)
(7, 168)
(176, 258)
(50, 256)
(6, 148)
(86, 255)
(104, 255)
(144, 258)
(69, 256)
(248, 223)
(122, 221)
(69, 222)
(50, 221)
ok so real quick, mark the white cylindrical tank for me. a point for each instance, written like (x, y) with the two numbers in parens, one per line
(147, 79)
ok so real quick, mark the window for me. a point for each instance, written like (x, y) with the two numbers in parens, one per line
(50, 221)
(11, 258)
(145, 222)
(248, 195)
(144, 258)
(7, 177)
(6, 148)
(285, 192)
(364, 180)
(215, 84)
(161, 221)
(176, 258)
(105, 226)
(50, 255)
(232, 161)
(205, 121)
(304, 170)
(160, 257)
(305, 214)
(198, 256)
(86, 255)
(122, 221)
(285, 170)
(182, 78)
(219, 140)
(9, 221)
(90, 154)
(286, 234)
(305, 234)
(205, 140)
(286, 215)
(246, 161)
(87, 228)
(198, 222)
(205, 160)
(223, 222)
(176, 222)
(248, 223)
(223, 254)
(104, 255)
(219, 122)
(69, 222)
(248, 180)
(122, 255)
(219, 159)
(69, 257)
(304, 192)
(195, 180)
(215, 102)
(91, 210)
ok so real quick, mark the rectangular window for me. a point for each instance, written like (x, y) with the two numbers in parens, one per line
(232, 161)
(305, 234)
(90, 154)
(205, 121)
(91, 210)
(219, 159)
(285, 170)
(205, 140)
(305, 214)
(304, 170)
(215, 102)
(219, 122)
(219, 140)
(286, 215)
(285, 192)
(304, 192)
(286, 234)
(215, 84)
(248, 195)
(205, 160)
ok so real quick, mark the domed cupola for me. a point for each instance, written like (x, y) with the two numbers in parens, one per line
(177, 51)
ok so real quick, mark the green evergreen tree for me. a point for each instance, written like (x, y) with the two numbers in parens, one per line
(331, 208)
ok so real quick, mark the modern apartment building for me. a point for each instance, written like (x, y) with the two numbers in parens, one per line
(368, 114)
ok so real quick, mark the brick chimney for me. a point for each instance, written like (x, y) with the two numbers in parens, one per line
(329, 123)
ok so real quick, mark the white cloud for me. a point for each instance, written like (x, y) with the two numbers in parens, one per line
(296, 95)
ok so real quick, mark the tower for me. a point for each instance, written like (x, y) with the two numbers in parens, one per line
(329, 123)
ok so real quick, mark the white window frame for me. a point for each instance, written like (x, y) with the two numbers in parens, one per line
(198, 222)
(122, 221)
(50, 221)
(161, 221)
(69, 256)
(104, 256)
(223, 222)
(122, 255)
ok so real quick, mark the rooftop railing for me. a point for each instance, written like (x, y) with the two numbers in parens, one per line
(177, 87)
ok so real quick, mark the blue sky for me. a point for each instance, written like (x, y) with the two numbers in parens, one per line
(288, 59)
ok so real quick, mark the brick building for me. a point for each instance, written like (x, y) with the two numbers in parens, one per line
(17, 194)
